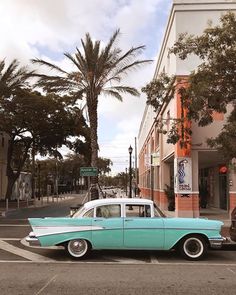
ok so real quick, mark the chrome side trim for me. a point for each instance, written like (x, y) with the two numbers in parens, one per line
(216, 243)
(32, 240)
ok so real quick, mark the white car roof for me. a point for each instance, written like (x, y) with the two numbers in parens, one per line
(107, 201)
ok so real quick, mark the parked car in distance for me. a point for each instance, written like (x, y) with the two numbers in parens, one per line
(123, 223)
(232, 230)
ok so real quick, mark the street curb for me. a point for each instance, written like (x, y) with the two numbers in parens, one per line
(39, 205)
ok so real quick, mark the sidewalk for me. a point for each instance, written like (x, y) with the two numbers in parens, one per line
(212, 214)
(42, 202)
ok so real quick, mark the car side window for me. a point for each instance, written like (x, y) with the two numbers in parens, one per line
(108, 211)
(137, 210)
(89, 213)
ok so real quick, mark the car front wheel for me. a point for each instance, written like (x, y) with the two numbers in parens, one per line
(78, 248)
(193, 248)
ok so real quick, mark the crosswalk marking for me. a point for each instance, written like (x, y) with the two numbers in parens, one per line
(154, 259)
(23, 253)
(14, 225)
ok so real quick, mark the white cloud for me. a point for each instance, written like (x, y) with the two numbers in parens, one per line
(47, 28)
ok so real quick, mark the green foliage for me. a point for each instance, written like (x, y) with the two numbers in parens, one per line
(170, 194)
(225, 142)
(104, 165)
(97, 70)
(211, 87)
(33, 121)
(159, 91)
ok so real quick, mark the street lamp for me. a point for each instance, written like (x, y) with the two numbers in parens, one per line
(130, 149)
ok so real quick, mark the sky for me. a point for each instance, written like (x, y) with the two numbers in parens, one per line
(46, 29)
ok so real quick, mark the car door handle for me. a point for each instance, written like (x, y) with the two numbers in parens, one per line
(128, 219)
(100, 219)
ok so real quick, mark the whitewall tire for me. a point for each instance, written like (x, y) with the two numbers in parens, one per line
(193, 247)
(78, 248)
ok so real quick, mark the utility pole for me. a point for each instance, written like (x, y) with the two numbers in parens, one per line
(135, 161)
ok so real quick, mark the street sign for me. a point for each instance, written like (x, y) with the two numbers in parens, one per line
(88, 171)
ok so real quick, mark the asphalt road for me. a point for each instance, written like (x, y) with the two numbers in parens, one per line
(31, 270)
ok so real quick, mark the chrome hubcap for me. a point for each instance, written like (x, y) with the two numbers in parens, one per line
(77, 248)
(193, 247)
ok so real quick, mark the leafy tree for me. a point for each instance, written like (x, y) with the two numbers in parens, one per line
(31, 120)
(212, 86)
(97, 71)
(104, 165)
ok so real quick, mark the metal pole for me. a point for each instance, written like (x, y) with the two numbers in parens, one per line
(152, 179)
(126, 182)
(135, 161)
(130, 172)
(33, 174)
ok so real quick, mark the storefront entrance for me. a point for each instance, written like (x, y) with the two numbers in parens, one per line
(223, 191)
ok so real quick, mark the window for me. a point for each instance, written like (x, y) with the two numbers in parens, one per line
(158, 212)
(89, 213)
(137, 210)
(108, 211)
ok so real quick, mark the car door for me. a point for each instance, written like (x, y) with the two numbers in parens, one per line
(141, 231)
(107, 227)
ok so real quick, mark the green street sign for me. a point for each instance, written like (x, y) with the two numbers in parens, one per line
(88, 171)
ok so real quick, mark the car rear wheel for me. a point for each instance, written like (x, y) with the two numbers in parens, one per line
(78, 248)
(193, 247)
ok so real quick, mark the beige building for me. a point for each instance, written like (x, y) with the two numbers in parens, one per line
(198, 175)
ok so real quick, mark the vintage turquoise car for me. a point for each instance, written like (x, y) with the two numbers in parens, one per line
(123, 223)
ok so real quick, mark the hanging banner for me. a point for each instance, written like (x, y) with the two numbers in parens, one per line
(155, 159)
(183, 175)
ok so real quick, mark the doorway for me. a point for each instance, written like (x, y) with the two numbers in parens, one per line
(223, 191)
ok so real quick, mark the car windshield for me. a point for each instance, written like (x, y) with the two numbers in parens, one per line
(78, 212)
(158, 212)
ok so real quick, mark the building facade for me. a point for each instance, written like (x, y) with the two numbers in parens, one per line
(196, 174)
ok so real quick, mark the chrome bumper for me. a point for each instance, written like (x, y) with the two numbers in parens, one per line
(216, 243)
(32, 240)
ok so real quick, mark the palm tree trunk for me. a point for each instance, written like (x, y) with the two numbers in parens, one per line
(92, 103)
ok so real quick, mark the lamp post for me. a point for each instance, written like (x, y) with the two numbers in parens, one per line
(126, 182)
(130, 149)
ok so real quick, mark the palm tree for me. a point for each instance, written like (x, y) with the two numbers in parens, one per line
(13, 78)
(98, 71)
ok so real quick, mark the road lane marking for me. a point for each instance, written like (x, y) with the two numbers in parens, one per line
(23, 253)
(127, 260)
(45, 286)
(154, 260)
(231, 270)
(14, 225)
(121, 263)
(10, 239)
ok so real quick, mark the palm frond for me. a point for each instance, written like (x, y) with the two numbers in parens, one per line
(2, 65)
(132, 66)
(125, 89)
(74, 61)
(48, 64)
(114, 93)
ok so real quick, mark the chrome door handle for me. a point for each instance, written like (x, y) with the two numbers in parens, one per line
(128, 219)
(100, 219)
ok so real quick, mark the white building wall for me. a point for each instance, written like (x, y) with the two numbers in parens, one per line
(146, 125)
(191, 16)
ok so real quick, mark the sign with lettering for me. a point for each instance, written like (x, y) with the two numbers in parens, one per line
(183, 175)
(88, 171)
